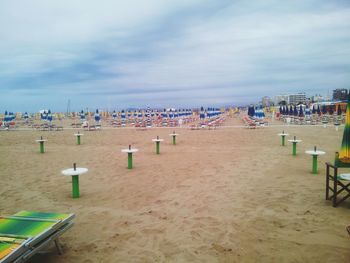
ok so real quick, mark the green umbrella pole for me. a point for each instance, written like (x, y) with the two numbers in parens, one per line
(314, 164)
(283, 140)
(174, 139)
(41, 147)
(294, 148)
(129, 160)
(75, 186)
(157, 147)
(78, 139)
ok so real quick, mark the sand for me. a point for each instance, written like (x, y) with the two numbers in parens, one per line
(225, 195)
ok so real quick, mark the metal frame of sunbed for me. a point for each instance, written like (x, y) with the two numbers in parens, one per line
(33, 245)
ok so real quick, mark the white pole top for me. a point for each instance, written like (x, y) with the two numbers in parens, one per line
(157, 140)
(130, 150)
(295, 141)
(72, 172)
(312, 152)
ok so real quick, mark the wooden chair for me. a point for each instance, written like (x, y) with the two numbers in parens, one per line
(336, 184)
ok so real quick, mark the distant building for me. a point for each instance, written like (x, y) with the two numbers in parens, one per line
(297, 98)
(319, 98)
(340, 94)
(280, 98)
(266, 101)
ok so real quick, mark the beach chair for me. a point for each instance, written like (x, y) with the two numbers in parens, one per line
(26, 233)
(337, 185)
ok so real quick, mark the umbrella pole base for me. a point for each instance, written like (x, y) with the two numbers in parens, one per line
(78, 140)
(42, 150)
(75, 186)
(294, 149)
(157, 147)
(129, 160)
(174, 140)
(314, 164)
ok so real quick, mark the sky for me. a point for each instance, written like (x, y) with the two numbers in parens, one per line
(116, 54)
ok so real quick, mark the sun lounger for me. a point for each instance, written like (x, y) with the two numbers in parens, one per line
(26, 233)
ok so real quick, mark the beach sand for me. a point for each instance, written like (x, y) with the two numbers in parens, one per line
(225, 195)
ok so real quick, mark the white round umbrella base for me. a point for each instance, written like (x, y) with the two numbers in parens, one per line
(130, 150)
(283, 134)
(315, 152)
(295, 141)
(71, 171)
(157, 140)
(174, 134)
(78, 134)
(41, 140)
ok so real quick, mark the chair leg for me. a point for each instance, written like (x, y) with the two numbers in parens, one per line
(335, 180)
(58, 246)
(327, 182)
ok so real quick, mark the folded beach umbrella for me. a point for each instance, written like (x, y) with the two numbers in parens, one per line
(82, 115)
(123, 115)
(313, 109)
(331, 111)
(256, 113)
(43, 115)
(301, 113)
(114, 115)
(97, 116)
(339, 110)
(6, 117)
(201, 114)
(318, 110)
(324, 109)
(25, 116)
(295, 111)
(49, 116)
(164, 114)
(344, 154)
(129, 114)
(291, 112)
(307, 111)
(262, 112)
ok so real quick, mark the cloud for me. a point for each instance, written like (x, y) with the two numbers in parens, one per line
(178, 53)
